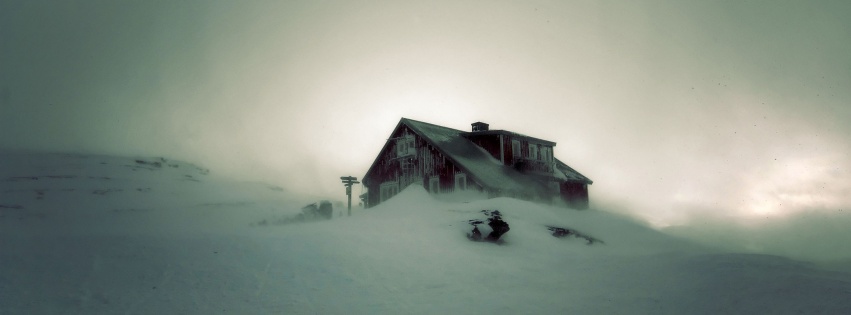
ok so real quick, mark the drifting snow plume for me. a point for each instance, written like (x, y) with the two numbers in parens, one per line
(419, 215)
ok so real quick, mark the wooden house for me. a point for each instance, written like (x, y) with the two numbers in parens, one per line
(495, 162)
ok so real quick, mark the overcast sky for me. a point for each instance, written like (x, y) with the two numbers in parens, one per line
(676, 109)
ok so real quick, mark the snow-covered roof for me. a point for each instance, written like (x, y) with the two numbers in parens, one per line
(571, 174)
(478, 163)
(475, 161)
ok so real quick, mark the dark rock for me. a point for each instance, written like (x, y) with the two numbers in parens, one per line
(476, 235)
(498, 227)
(565, 232)
(318, 210)
(560, 232)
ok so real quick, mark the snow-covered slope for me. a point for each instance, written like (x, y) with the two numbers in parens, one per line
(73, 193)
(112, 235)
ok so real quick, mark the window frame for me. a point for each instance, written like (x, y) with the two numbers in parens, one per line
(434, 184)
(460, 181)
(516, 149)
(388, 189)
(405, 146)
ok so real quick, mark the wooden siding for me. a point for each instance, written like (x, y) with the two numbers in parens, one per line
(426, 163)
(523, 162)
(509, 150)
(489, 142)
(575, 195)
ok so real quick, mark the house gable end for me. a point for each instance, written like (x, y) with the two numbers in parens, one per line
(369, 173)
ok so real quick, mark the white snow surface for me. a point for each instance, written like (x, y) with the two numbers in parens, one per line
(84, 234)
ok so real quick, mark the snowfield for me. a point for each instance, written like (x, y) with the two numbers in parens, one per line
(87, 234)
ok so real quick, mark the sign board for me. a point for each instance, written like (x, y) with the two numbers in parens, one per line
(349, 181)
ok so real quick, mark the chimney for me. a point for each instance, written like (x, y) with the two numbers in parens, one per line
(479, 126)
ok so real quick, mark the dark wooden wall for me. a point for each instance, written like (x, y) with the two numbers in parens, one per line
(575, 195)
(488, 142)
(418, 168)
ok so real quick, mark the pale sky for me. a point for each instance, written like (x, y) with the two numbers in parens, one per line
(676, 109)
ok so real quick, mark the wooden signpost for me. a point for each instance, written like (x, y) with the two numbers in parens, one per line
(349, 181)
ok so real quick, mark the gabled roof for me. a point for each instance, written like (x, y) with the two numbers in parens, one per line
(473, 159)
(478, 164)
(571, 174)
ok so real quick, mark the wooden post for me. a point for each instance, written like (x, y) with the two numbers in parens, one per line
(348, 181)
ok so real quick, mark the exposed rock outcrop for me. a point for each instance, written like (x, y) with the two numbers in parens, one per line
(496, 227)
(565, 232)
